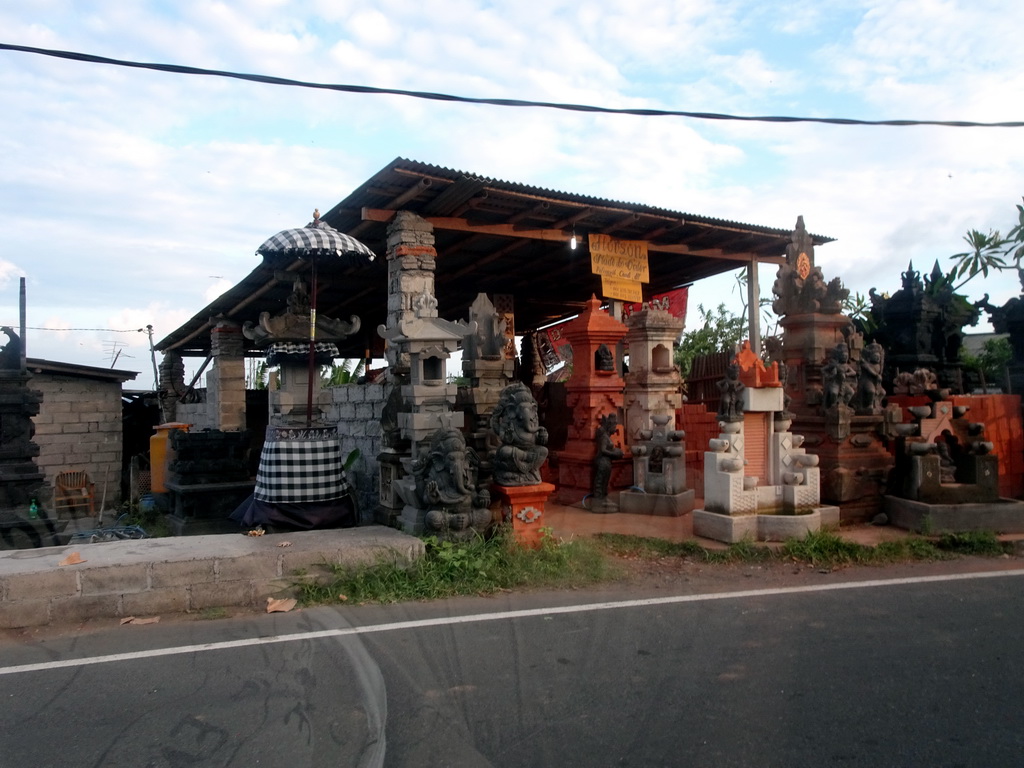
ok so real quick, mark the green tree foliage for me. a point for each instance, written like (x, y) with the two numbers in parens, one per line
(256, 376)
(990, 364)
(989, 252)
(720, 331)
(337, 375)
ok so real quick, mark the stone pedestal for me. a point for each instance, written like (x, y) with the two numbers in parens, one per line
(658, 504)
(523, 506)
(592, 392)
(998, 516)
(659, 472)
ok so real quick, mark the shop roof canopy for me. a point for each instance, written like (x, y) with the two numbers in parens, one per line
(492, 236)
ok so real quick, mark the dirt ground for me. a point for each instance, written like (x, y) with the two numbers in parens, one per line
(684, 574)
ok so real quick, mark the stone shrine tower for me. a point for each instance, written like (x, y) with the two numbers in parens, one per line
(833, 385)
(653, 382)
(593, 392)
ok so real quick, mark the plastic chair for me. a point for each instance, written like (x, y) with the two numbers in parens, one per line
(72, 490)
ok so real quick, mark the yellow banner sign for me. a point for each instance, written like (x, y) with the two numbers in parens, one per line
(624, 259)
(626, 290)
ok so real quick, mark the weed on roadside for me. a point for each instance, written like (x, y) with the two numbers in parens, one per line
(479, 566)
(487, 565)
(821, 548)
(971, 543)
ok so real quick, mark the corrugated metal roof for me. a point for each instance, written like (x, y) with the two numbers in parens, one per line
(38, 365)
(496, 237)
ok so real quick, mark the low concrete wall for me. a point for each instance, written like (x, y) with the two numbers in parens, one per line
(177, 575)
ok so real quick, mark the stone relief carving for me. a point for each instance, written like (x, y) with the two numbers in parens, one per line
(800, 287)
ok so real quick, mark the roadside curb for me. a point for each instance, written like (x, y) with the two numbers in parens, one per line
(146, 577)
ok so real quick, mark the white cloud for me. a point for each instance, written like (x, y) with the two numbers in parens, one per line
(131, 189)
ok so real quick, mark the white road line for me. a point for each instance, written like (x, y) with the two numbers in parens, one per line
(503, 615)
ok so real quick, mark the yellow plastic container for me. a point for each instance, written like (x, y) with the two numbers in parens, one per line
(159, 453)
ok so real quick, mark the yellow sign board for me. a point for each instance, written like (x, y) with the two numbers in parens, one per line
(626, 290)
(622, 259)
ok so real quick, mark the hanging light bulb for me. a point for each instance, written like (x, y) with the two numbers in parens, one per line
(572, 242)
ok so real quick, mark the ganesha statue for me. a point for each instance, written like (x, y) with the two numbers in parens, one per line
(446, 486)
(522, 440)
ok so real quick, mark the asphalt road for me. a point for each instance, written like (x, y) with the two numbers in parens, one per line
(806, 674)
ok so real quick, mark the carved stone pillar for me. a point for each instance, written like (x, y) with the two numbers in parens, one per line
(411, 261)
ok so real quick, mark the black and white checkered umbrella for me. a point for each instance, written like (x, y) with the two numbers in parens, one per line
(316, 240)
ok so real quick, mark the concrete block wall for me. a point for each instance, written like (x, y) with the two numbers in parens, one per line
(357, 409)
(199, 415)
(79, 427)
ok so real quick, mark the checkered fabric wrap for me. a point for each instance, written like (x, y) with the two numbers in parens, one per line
(300, 465)
(297, 352)
(314, 239)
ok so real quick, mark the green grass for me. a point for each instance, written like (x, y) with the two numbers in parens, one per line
(820, 549)
(480, 566)
(499, 563)
(972, 543)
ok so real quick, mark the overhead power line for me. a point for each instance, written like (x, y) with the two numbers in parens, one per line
(270, 80)
(103, 330)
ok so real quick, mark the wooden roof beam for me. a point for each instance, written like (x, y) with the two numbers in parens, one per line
(493, 256)
(455, 224)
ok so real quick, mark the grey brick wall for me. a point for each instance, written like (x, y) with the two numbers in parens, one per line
(199, 415)
(356, 409)
(79, 427)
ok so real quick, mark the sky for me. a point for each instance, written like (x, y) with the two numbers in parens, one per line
(132, 198)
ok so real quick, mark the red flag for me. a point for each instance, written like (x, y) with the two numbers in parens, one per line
(674, 301)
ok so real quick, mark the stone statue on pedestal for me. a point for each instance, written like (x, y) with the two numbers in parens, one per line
(522, 451)
(606, 452)
(730, 401)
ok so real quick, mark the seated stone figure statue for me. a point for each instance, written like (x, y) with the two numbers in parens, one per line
(446, 484)
(522, 451)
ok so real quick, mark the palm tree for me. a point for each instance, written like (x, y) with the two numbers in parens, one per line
(988, 253)
(348, 372)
